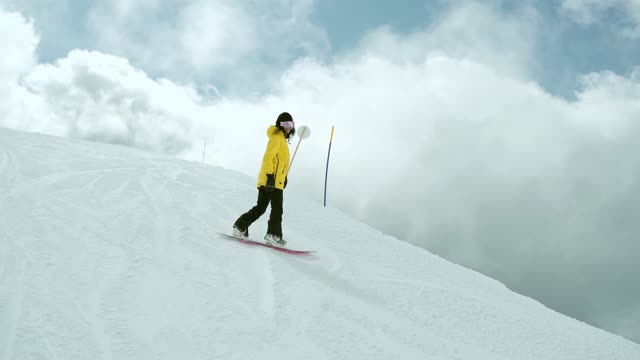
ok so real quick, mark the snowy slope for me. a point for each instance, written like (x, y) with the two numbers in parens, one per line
(109, 253)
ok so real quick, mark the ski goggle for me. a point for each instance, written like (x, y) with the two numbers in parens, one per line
(287, 125)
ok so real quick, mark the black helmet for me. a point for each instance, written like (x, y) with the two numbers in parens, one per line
(286, 117)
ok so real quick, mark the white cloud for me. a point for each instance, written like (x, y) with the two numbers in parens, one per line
(238, 45)
(469, 30)
(609, 102)
(584, 11)
(215, 34)
(198, 38)
(202, 35)
(18, 40)
(102, 97)
(624, 14)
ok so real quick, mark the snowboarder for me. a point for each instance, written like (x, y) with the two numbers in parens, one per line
(272, 180)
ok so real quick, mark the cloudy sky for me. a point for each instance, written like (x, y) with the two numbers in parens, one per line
(501, 135)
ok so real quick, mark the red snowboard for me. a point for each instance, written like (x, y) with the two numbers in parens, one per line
(252, 242)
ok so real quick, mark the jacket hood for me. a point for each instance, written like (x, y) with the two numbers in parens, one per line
(272, 130)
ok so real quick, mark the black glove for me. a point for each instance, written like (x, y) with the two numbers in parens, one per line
(271, 182)
(285, 182)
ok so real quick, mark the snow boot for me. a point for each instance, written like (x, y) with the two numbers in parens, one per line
(274, 240)
(241, 233)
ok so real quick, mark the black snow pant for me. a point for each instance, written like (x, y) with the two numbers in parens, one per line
(275, 218)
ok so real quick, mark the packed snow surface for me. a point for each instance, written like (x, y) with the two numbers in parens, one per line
(107, 252)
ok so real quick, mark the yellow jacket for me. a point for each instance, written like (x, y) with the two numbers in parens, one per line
(276, 158)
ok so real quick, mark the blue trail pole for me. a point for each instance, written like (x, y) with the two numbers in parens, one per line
(326, 174)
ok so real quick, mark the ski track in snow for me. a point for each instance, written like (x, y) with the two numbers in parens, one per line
(111, 253)
(14, 309)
